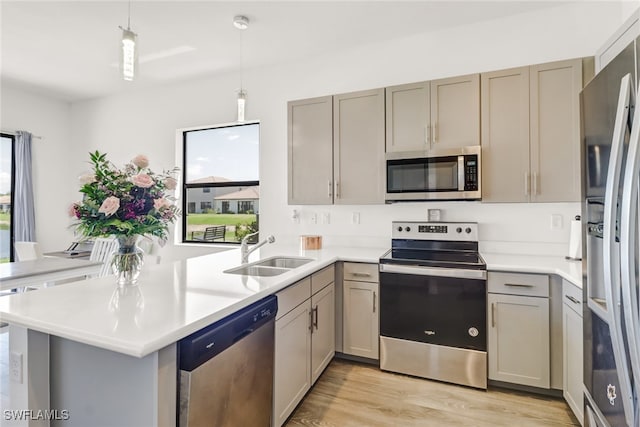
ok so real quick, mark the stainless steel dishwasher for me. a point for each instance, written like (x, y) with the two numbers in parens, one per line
(226, 370)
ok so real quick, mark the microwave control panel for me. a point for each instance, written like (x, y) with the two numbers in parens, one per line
(471, 173)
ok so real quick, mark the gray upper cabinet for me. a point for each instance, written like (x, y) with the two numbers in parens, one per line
(358, 136)
(408, 117)
(310, 149)
(455, 112)
(436, 115)
(505, 135)
(530, 133)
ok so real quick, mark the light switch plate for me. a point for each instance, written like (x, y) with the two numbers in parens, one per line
(556, 222)
(15, 367)
(313, 218)
(326, 218)
(355, 218)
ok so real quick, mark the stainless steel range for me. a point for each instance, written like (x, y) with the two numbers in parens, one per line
(433, 303)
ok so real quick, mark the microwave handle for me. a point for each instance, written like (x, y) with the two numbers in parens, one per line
(461, 173)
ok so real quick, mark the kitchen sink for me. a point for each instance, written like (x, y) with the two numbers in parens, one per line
(283, 262)
(269, 266)
(257, 270)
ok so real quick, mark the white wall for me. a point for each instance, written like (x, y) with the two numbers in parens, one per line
(145, 121)
(54, 183)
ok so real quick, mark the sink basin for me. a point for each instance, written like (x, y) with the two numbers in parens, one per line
(257, 270)
(283, 262)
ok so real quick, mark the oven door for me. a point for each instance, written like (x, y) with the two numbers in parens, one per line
(434, 305)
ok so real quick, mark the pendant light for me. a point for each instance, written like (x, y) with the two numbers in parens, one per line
(241, 23)
(128, 50)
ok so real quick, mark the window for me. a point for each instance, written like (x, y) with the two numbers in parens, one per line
(221, 182)
(6, 190)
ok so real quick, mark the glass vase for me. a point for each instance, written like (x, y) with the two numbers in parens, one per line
(127, 262)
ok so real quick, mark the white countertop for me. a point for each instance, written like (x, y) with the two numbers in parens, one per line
(170, 301)
(567, 269)
(176, 299)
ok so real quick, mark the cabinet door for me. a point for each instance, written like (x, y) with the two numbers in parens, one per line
(555, 131)
(310, 149)
(519, 340)
(292, 361)
(505, 135)
(572, 353)
(408, 117)
(323, 341)
(455, 112)
(361, 319)
(359, 147)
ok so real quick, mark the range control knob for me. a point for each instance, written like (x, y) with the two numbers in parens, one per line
(407, 229)
(399, 228)
(459, 230)
(473, 332)
(468, 230)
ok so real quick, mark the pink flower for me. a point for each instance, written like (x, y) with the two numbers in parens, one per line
(161, 203)
(87, 178)
(73, 210)
(109, 206)
(170, 183)
(140, 161)
(142, 180)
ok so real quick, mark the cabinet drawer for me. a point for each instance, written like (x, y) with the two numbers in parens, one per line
(322, 278)
(361, 272)
(293, 296)
(536, 285)
(572, 296)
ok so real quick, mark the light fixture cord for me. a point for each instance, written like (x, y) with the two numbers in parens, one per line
(241, 67)
(129, 17)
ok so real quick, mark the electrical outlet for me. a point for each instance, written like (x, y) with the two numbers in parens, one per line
(556, 222)
(15, 367)
(355, 218)
(313, 218)
(326, 218)
(296, 216)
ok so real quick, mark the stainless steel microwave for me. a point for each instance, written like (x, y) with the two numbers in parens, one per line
(437, 175)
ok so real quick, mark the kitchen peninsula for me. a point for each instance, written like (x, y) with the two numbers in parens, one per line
(112, 353)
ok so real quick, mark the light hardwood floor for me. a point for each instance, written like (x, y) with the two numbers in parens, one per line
(352, 394)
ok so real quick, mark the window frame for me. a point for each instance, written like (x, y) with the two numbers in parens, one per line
(12, 189)
(182, 135)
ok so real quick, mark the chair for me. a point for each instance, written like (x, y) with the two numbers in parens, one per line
(27, 251)
(103, 247)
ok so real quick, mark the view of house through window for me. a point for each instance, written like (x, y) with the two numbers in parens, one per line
(221, 202)
(6, 183)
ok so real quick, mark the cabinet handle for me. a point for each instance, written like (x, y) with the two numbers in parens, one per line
(526, 184)
(358, 274)
(518, 285)
(493, 315)
(535, 183)
(311, 321)
(374, 301)
(330, 188)
(337, 190)
(435, 133)
(572, 299)
(315, 321)
(427, 131)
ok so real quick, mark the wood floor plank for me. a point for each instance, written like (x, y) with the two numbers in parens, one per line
(349, 394)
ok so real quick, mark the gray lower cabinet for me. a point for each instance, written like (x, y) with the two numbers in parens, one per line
(361, 324)
(304, 339)
(572, 348)
(518, 325)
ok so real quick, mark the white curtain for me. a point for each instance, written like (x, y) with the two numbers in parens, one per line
(24, 221)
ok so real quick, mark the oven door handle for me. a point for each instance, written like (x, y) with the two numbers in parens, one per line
(434, 271)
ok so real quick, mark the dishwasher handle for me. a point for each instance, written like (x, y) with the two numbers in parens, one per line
(201, 346)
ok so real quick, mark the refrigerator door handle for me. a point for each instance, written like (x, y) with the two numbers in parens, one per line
(611, 254)
(628, 256)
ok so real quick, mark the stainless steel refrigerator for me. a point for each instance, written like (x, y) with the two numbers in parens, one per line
(611, 170)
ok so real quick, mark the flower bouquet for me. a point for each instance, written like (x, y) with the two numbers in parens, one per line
(127, 203)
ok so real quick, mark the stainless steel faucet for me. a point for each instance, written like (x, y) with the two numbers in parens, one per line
(244, 246)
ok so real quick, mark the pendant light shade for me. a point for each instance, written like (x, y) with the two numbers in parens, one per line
(129, 51)
(242, 98)
(129, 54)
(241, 23)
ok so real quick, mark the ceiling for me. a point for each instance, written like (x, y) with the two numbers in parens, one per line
(69, 50)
